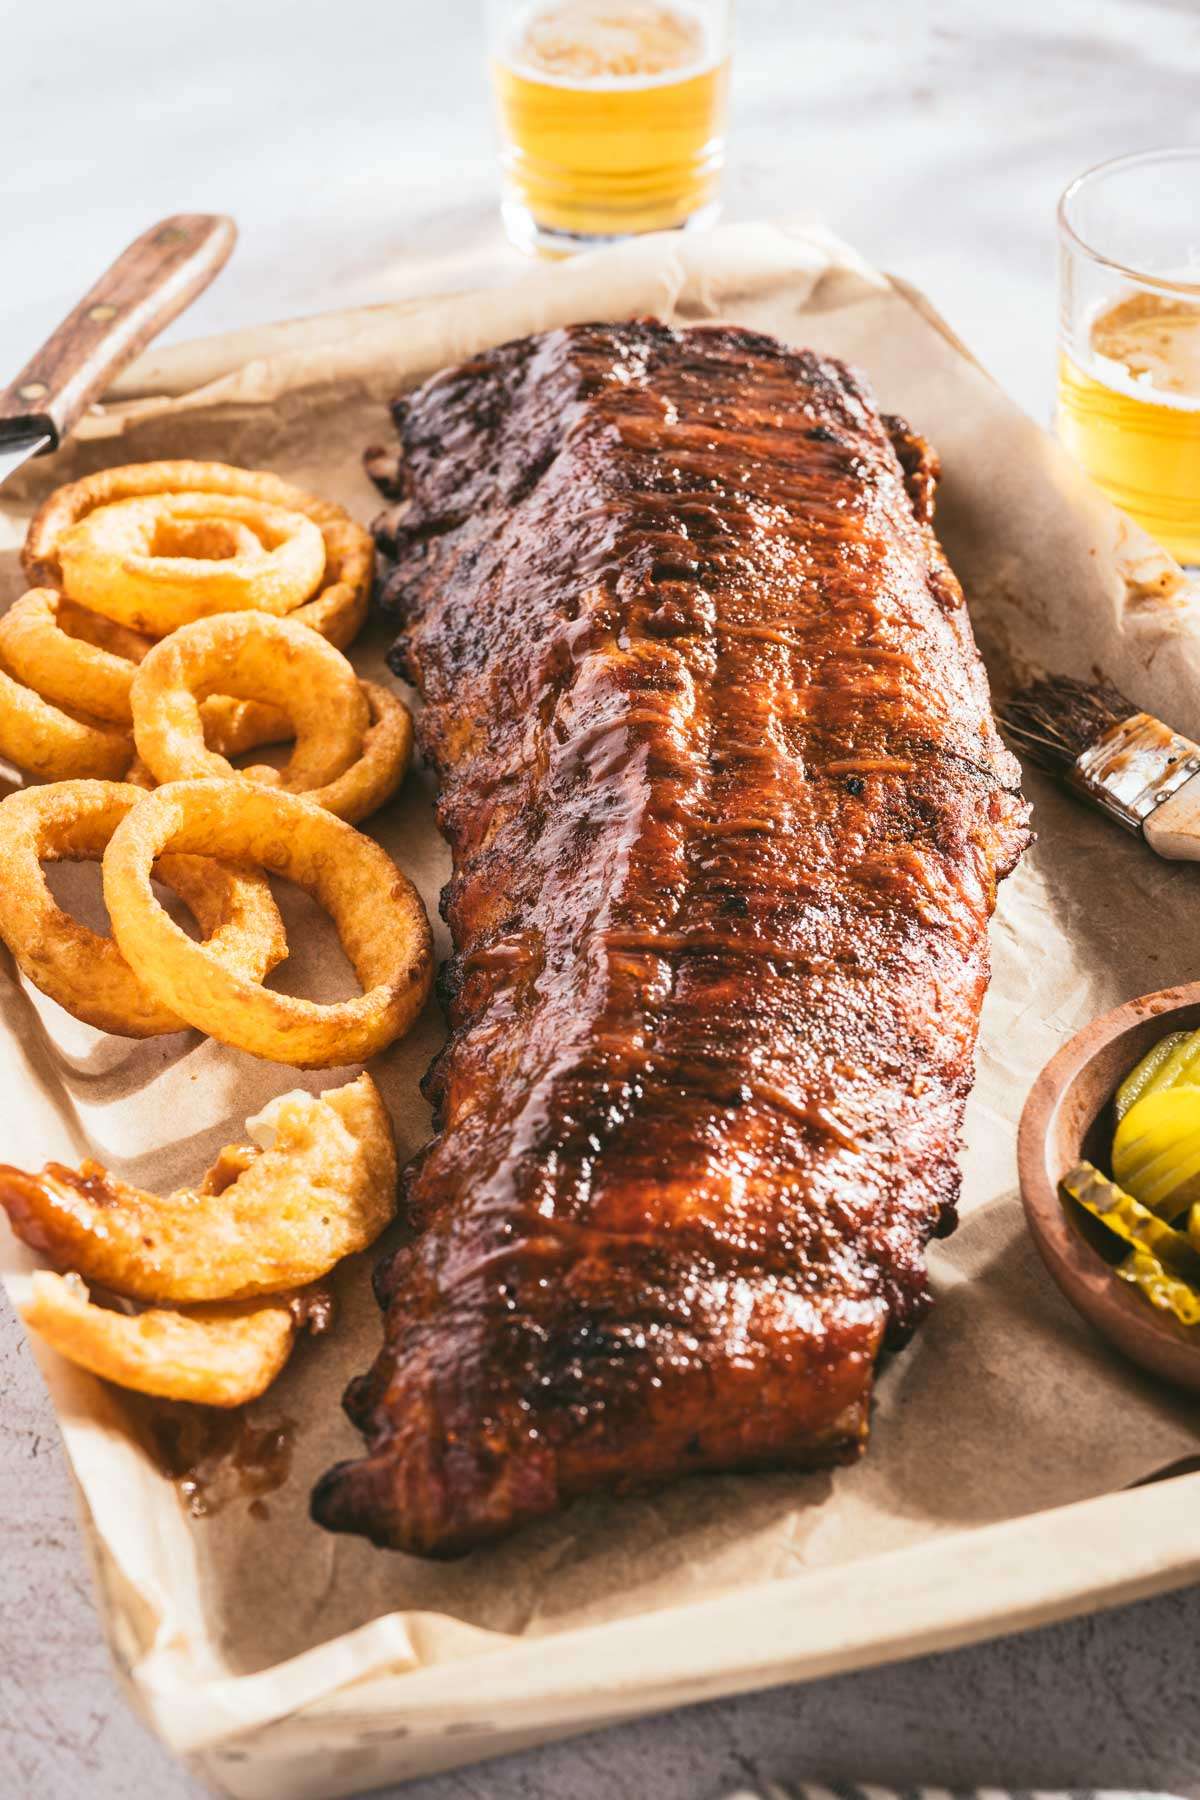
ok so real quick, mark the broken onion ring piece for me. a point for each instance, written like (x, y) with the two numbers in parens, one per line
(213, 1356)
(317, 1183)
(230, 728)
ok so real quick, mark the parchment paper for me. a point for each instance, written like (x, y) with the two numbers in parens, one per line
(273, 1652)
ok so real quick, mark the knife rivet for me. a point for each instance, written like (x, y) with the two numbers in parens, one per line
(101, 313)
(33, 390)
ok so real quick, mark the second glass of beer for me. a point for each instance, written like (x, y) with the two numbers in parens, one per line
(1129, 338)
(611, 116)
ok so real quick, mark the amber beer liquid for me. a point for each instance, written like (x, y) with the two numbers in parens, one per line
(1129, 411)
(612, 116)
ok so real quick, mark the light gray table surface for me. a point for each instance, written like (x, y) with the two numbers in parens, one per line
(352, 142)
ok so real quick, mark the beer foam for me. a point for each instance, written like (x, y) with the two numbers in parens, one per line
(609, 43)
(1148, 347)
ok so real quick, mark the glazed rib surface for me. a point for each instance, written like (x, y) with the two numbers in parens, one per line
(727, 810)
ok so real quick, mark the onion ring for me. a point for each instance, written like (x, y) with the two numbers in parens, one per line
(380, 767)
(63, 651)
(317, 1183)
(367, 784)
(231, 727)
(251, 656)
(61, 667)
(337, 612)
(159, 562)
(93, 628)
(377, 911)
(214, 1356)
(139, 776)
(84, 972)
(56, 745)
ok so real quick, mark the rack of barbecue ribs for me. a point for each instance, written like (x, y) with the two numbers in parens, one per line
(727, 810)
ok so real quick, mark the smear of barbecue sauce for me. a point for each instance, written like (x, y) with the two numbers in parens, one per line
(216, 1455)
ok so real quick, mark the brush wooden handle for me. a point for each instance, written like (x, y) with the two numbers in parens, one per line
(1173, 829)
(149, 284)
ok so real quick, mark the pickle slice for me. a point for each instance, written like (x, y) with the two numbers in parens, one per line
(1166, 1291)
(1162, 1263)
(1128, 1219)
(1142, 1079)
(1156, 1150)
(1173, 1062)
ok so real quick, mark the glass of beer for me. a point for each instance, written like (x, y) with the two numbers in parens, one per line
(611, 116)
(1129, 338)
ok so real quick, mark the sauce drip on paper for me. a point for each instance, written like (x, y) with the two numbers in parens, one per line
(216, 1456)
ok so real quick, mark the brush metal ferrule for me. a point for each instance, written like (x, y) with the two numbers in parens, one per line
(1134, 767)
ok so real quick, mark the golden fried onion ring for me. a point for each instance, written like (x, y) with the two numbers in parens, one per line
(377, 911)
(139, 776)
(214, 1356)
(60, 666)
(55, 745)
(66, 653)
(382, 764)
(84, 972)
(157, 563)
(254, 657)
(367, 784)
(93, 628)
(337, 612)
(317, 1182)
(231, 727)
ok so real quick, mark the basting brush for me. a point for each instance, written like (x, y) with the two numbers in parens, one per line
(1125, 762)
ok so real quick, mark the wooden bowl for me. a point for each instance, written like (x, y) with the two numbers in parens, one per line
(1066, 1119)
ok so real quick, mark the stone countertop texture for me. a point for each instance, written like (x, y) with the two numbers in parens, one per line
(353, 144)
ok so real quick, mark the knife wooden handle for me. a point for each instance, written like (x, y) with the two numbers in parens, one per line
(147, 287)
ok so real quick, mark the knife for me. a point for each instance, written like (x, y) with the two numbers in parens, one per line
(149, 285)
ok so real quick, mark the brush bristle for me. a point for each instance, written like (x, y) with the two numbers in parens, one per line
(1054, 721)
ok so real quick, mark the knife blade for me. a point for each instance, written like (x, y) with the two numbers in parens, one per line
(150, 284)
(17, 447)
